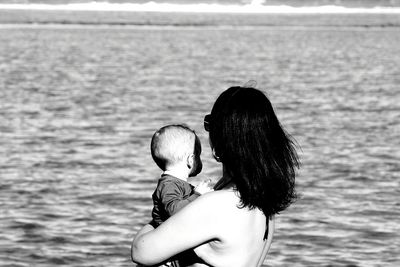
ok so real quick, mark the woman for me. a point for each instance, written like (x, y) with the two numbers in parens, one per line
(229, 227)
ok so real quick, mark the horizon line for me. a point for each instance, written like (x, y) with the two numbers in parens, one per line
(252, 8)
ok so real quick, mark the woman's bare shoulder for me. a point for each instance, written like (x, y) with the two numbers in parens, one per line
(219, 195)
(225, 205)
(218, 200)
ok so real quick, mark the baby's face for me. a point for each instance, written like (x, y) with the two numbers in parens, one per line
(197, 164)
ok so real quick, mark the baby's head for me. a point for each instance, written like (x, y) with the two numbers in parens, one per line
(175, 146)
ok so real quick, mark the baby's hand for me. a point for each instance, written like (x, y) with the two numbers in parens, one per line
(204, 187)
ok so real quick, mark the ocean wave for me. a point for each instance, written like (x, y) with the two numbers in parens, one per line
(256, 7)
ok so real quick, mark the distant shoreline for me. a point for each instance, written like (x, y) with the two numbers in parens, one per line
(156, 19)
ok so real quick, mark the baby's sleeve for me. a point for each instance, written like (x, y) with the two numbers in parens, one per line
(172, 198)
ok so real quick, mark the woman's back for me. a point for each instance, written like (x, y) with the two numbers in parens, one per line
(239, 229)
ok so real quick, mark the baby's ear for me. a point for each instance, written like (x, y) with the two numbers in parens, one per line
(190, 161)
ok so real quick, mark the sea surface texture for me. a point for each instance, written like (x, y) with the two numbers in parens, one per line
(79, 104)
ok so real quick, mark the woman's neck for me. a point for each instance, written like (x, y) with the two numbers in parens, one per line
(225, 182)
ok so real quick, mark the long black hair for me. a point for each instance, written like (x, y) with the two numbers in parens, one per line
(257, 153)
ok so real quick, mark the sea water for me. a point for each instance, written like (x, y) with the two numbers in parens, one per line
(79, 104)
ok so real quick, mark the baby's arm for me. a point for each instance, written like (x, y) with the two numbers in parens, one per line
(172, 198)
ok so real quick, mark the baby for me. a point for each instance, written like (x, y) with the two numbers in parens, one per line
(176, 150)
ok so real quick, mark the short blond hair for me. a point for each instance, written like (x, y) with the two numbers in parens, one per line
(172, 144)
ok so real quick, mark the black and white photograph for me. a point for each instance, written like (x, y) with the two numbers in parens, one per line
(190, 133)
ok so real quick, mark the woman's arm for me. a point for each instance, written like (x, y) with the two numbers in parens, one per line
(145, 229)
(195, 224)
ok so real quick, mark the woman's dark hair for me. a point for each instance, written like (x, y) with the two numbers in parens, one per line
(258, 155)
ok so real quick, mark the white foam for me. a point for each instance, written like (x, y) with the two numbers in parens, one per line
(256, 6)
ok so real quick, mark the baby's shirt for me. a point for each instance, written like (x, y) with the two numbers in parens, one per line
(170, 196)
